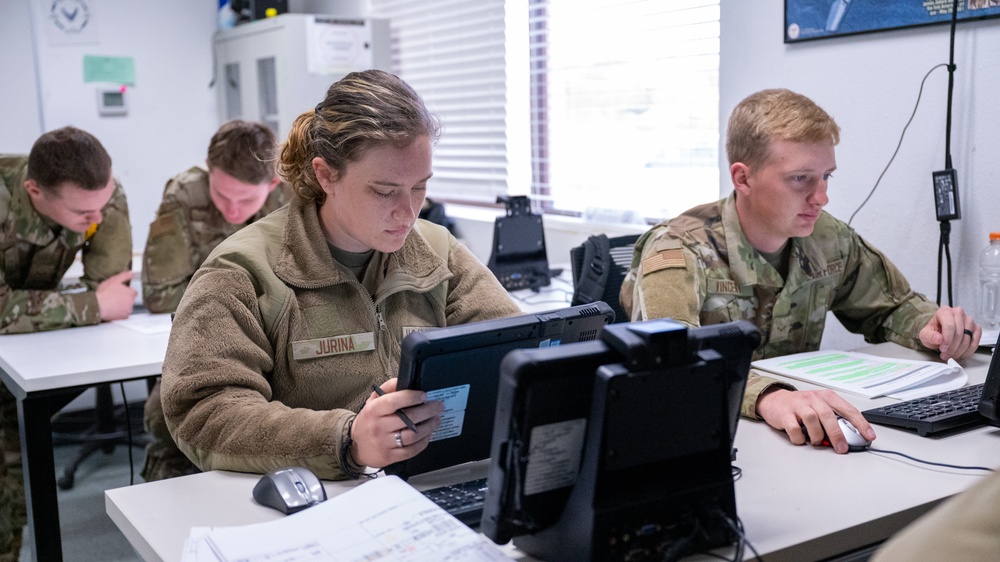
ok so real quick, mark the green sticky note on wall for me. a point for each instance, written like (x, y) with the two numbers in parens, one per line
(119, 70)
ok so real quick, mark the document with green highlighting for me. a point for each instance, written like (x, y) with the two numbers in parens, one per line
(867, 375)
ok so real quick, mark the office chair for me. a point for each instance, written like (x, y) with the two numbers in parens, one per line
(103, 434)
(599, 267)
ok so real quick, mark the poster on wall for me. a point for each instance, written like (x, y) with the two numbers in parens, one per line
(806, 20)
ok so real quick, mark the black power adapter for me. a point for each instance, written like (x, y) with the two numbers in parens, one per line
(946, 195)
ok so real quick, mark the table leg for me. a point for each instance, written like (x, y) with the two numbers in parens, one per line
(35, 414)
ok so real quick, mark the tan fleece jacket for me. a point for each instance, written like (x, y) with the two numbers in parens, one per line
(241, 396)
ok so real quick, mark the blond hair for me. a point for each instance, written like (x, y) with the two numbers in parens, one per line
(362, 110)
(775, 114)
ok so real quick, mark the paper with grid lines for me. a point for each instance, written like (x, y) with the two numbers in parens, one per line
(867, 375)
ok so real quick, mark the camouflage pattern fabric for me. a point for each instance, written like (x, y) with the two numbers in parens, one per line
(34, 255)
(163, 458)
(186, 229)
(700, 269)
(13, 514)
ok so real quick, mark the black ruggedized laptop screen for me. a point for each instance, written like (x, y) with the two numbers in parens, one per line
(460, 365)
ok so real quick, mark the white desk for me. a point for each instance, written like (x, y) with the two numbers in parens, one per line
(797, 503)
(557, 294)
(45, 371)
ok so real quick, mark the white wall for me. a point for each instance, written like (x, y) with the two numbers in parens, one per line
(20, 124)
(172, 112)
(869, 84)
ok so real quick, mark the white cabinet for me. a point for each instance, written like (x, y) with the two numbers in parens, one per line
(274, 69)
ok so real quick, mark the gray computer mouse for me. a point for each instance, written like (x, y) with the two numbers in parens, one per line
(289, 489)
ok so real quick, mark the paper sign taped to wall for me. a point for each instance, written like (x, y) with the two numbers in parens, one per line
(337, 46)
(118, 70)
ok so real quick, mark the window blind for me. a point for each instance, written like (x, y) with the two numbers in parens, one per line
(452, 53)
(624, 105)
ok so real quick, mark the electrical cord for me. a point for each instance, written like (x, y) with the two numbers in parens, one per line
(959, 467)
(743, 542)
(920, 93)
(943, 244)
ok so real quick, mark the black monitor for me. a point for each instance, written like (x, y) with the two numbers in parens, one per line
(630, 435)
(989, 402)
(461, 366)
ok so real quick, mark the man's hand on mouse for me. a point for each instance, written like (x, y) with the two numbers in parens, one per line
(816, 411)
(376, 425)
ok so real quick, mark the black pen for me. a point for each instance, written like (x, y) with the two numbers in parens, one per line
(378, 390)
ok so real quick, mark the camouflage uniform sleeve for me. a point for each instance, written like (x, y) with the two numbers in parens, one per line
(666, 280)
(109, 250)
(166, 262)
(876, 300)
(27, 311)
(757, 384)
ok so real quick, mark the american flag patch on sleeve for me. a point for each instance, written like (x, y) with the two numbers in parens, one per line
(161, 226)
(667, 259)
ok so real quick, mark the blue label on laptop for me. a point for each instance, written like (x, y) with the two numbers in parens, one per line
(455, 399)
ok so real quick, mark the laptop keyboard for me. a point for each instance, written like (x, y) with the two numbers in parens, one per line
(932, 414)
(464, 500)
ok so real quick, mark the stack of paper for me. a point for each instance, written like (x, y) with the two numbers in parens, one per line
(384, 519)
(868, 375)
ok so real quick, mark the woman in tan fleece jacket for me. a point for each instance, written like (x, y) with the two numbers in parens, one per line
(288, 323)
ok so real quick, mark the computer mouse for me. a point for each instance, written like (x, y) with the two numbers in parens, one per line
(289, 489)
(855, 441)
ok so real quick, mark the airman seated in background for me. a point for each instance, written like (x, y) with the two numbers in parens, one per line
(769, 254)
(56, 201)
(201, 208)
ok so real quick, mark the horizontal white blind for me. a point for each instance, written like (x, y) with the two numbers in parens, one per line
(624, 105)
(452, 53)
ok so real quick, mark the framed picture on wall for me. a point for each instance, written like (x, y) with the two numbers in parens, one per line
(806, 20)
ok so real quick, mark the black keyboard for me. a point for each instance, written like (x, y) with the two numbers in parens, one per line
(934, 413)
(464, 500)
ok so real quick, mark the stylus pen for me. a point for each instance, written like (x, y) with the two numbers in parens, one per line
(409, 424)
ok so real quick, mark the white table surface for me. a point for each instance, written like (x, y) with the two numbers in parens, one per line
(82, 356)
(47, 369)
(797, 503)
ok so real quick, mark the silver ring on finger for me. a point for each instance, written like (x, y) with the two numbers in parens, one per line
(399, 439)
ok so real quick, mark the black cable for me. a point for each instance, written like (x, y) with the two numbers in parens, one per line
(945, 225)
(944, 248)
(951, 86)
(128, 431)
(920, 93)
(737, 528)
(959, 467)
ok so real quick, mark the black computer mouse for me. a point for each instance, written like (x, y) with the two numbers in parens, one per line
(289, 489)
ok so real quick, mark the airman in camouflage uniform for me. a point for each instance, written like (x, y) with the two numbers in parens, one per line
(200, 209)
(770, 255)
(67, 170)
(700, 269)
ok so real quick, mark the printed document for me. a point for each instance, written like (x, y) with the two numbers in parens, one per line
(380, 520)
(868, 375)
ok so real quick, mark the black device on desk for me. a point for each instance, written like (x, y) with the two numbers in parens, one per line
(620, 449)
(975, 404)
(518, 259)
(461, 366)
